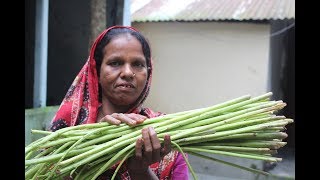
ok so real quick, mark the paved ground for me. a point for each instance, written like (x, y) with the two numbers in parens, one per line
(208, 170)
(285, 168)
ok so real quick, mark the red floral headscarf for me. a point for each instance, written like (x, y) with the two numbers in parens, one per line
(80, 104)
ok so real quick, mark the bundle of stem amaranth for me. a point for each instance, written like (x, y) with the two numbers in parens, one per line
(245, 127)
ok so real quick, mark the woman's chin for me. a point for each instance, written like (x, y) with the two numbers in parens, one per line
(124, 102)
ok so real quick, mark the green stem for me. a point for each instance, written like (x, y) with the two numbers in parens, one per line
(105, 149)
(195, 116)
(236, 115)
(197, 139)
(54, 157)
(241, 124)
(130, 153)
(231, 164)
(113, 160)
(56, 165)
(234, 148)
(212, 122)
(185, 159)
(255, 136)
(42, 167)
(249, 143)
(59, 132)
(43, 132)
(240, 155)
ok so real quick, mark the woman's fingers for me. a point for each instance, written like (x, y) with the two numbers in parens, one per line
(148, 148)
(156, 146)
(138, 148)
(137, 117)
(130, 119)
(166, 145)
(124, 118)
(110, 119)
(147, 145)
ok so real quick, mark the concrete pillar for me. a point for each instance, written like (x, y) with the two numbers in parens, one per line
(41, 54)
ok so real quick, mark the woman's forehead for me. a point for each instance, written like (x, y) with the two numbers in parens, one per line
(125, 42)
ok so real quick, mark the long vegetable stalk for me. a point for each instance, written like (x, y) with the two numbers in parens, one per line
(243, 127)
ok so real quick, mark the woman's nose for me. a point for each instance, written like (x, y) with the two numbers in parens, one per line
(127, 72)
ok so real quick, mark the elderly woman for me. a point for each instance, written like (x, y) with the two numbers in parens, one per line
(111, 87)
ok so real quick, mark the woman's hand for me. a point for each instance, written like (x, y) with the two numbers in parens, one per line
(148, 150)
(131, 119)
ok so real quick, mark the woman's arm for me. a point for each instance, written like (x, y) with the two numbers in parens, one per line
(148, 175)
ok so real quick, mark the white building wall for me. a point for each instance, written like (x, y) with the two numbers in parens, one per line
(198, 64)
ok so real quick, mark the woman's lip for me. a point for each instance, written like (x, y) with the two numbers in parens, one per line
(125, 85)
(125, 89)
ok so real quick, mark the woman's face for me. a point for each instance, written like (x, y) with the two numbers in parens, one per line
(123, 72)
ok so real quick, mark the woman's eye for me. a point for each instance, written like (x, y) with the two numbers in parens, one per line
(114, 63)
(138, 64)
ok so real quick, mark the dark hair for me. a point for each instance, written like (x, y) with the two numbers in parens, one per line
(98, 54)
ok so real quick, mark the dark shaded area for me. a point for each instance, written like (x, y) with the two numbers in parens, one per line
(114, 12)
(29, 40)
(68, 44)
(68, 41)
(282, 70)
